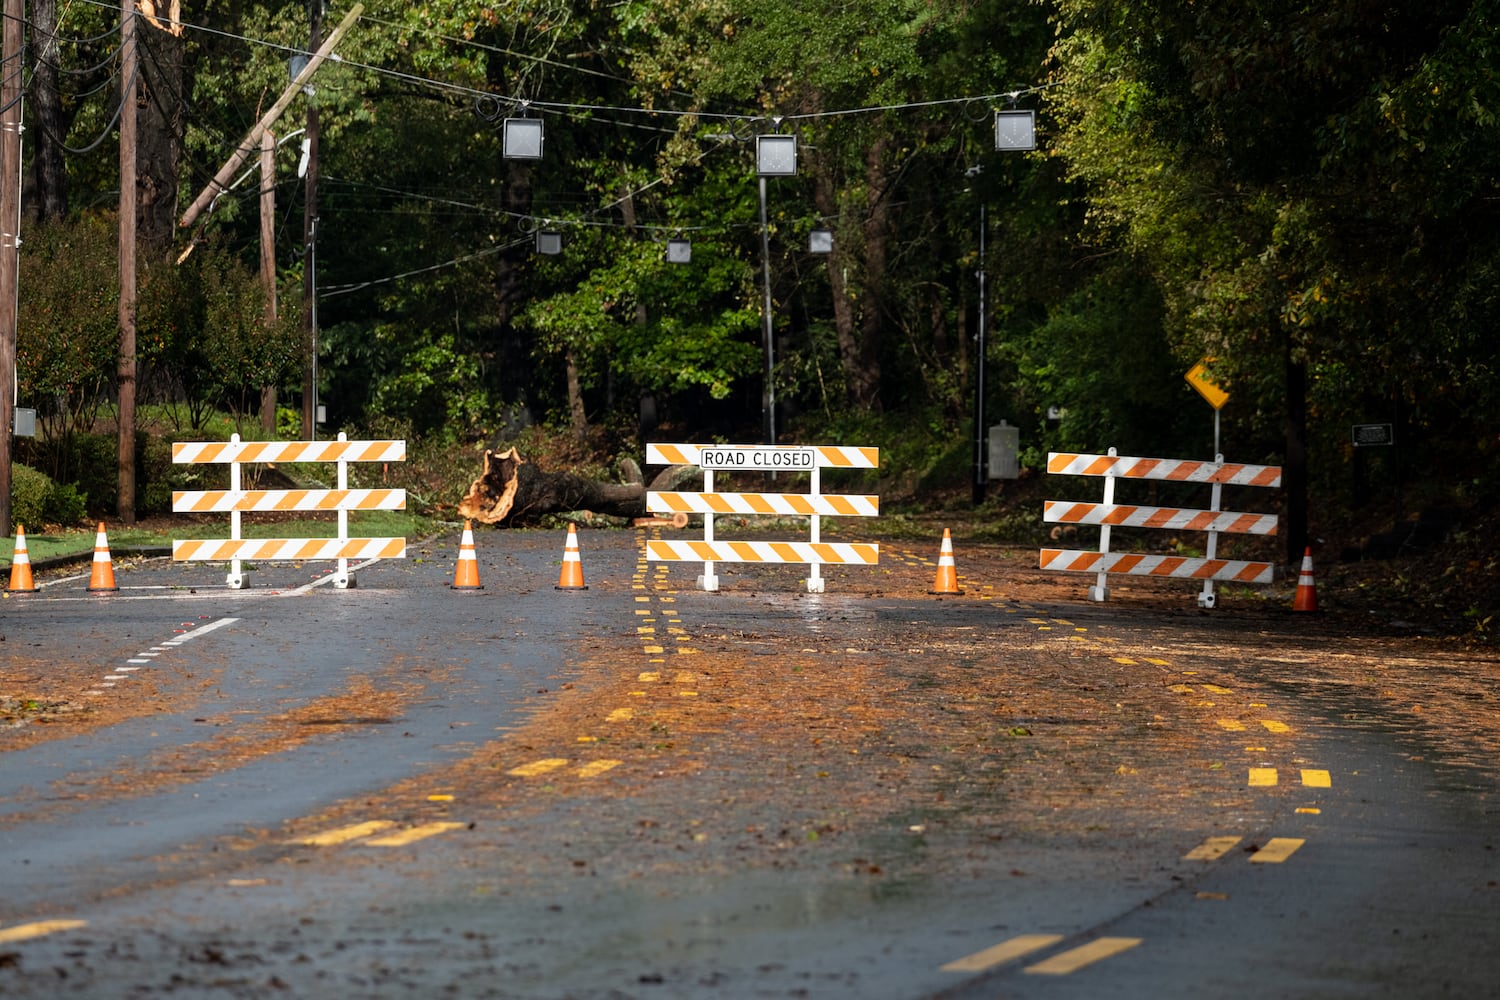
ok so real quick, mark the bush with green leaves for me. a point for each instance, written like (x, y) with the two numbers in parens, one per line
(29, 490)
(66, 505)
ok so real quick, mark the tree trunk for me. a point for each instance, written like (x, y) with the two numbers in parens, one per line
(159, 134)
(50, 202)
(825, 196)
(577, 416)
(1294, 468)
(512, 491)
(864, 383)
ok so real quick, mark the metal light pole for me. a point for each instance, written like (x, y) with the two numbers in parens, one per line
(768, 394)
(979, 441)
(775, 156)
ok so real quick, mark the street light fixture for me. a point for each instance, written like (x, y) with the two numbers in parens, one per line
(548, 242)
(776, 155)
(522, 139)
(679, 251)
(820, 241)
(1015, 131)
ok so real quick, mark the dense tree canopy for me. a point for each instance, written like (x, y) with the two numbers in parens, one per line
(1305, 193)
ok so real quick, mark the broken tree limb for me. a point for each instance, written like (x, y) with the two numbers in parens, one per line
(252, 141)
(512, 491)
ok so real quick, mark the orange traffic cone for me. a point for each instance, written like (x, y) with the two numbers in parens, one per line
(571, 577)
(466, 574)
(102, 577)
(20, 566)
(946, 581)
(1306, 598)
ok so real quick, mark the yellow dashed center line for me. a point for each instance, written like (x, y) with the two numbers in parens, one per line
(1005, 951)
(538, 767)
(1084, 955)
(1211, 849)
(344, 834)
(36, 929)
(1277, 850)
(598, 767)
(411, 835)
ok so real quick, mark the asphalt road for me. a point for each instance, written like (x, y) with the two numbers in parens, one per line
(398, 790)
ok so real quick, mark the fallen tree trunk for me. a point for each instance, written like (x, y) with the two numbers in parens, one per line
(512, 491)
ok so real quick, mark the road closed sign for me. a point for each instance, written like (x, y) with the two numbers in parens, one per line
(758, 459)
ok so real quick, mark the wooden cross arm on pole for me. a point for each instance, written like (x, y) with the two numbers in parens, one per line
(252, 141)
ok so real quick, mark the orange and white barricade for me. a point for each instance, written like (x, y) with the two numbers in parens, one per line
(235, 501)
(814, 505)
(1108, 514)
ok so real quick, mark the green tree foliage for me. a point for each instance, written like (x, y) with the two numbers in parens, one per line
(66, 339)
(1312, 188)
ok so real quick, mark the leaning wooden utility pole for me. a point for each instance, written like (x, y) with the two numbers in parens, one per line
(129, 65)
(10, 238)
(268, 263)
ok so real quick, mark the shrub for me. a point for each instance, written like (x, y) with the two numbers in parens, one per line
(65, 505)
(29, 490)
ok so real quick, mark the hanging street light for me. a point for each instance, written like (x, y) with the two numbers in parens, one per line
(521, 139)
(1015, 131)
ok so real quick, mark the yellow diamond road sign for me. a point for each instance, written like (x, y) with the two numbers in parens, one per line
(1199, 379)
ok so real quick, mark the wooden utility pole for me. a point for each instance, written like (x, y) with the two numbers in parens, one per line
(268, 262)
(10, 238)
(129, 65)
(310, 246)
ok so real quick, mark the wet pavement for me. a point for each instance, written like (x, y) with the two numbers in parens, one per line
(643, 790)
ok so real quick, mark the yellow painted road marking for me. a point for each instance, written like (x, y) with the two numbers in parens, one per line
(648, 677)
(1275, 727)
(1262, 777)
(537, 767)
(1003, 952)
(409, 836)
(1309, 810)
(1215, 689)
(1211, 849)
(1084, 955)
(1277, 850)
(598, 767)
(344, 834)
(41, 928)
(621, 715)
(1232, 725)
(1316, 779)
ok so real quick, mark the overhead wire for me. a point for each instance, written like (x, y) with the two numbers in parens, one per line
(570, 109)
